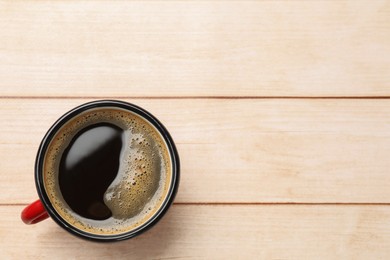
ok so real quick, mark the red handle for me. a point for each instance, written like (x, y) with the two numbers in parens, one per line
(34, 213)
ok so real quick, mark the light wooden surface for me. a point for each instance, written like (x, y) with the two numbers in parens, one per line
(222, 232)
(176, 48)
(280, 111)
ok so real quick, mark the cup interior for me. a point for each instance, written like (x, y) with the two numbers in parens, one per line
(103, 104)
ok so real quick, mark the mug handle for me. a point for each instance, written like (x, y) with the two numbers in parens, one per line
(34, 213)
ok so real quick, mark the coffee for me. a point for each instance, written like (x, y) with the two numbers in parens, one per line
(107, 171)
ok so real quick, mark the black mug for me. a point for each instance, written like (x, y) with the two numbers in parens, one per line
(105, 125)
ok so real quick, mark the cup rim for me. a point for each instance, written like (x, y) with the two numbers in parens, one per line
(68, 116)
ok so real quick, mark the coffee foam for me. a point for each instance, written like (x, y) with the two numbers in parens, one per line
(143, 178)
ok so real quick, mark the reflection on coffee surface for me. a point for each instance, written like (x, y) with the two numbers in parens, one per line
(107, 171)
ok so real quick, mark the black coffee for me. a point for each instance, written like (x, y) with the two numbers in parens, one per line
(88, 166)
(107, 171)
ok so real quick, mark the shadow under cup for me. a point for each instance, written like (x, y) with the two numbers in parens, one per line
(49, 161)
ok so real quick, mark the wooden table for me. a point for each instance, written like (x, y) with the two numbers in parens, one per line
(280, 111)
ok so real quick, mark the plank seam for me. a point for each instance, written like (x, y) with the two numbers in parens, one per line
(258, 204)
(194, 97)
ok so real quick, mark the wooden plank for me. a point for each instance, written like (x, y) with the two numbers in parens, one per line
(219, 232)
(241, 150)
(202, 48)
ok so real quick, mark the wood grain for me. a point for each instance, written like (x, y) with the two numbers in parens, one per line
(281, 158)
(242, 150)
(219, 232)
(195, 48)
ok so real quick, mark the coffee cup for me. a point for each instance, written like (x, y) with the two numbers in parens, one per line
(105, 171)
